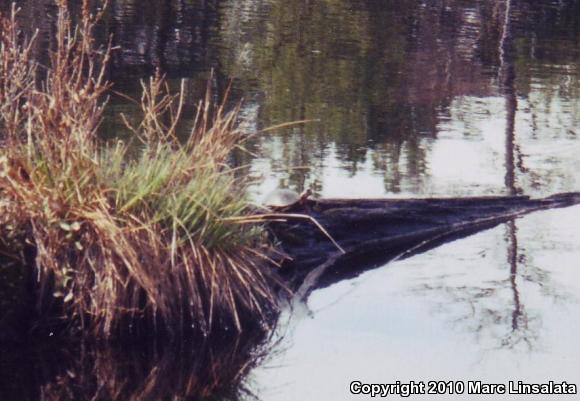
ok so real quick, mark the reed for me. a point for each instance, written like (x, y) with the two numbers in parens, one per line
(119, 238)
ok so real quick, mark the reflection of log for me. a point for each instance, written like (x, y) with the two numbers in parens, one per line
(374, 232)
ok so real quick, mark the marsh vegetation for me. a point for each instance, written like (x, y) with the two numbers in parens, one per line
(119, 234)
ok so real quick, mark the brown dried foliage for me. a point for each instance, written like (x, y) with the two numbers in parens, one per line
(120, 239)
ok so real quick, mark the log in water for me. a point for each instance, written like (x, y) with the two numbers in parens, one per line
(376, 231)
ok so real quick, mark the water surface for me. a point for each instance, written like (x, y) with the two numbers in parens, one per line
(405, 99)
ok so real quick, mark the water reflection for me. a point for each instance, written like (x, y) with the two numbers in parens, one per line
(199, 370)
(384, 82)
(404, 78)
(407, 98)
(469, 309)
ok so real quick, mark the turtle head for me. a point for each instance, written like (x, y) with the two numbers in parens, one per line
(305, 195)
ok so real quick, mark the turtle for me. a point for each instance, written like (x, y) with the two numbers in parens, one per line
(281, 199)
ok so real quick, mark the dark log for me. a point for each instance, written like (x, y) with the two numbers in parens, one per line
(376, 231)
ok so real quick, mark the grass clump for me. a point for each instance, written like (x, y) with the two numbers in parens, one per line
(117, 237)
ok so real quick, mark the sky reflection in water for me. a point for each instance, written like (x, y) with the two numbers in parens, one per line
(454, 313)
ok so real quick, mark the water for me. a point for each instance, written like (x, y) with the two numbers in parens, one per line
(482, 308)
(404, 99)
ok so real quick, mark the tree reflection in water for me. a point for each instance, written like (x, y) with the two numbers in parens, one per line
(380, 78)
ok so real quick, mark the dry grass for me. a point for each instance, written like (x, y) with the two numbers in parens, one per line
(120, 239)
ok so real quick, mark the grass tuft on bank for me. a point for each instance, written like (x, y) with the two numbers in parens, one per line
(116, 238)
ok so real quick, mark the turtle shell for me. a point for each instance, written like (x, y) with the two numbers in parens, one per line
(281, 198)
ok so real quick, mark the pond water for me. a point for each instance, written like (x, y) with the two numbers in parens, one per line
(404, 99)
